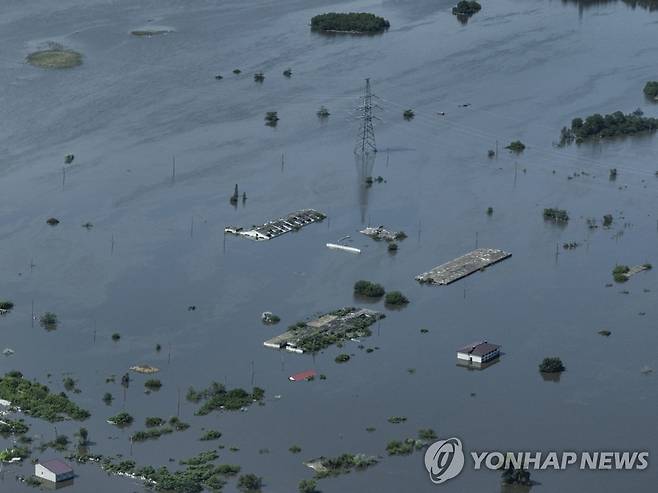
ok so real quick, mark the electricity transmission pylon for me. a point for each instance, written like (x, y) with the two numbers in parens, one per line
(365, 143)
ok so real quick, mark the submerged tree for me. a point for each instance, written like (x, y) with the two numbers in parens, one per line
(323, 112)
(551, 365)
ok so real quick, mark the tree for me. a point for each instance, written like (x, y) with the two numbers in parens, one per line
(323, 113)
(651, 89)
(83, 436)
(551, 365)
(369, 289)
(308, 486)
(516, 146)
(48, 321)
(395, 298)
(249, 483)
(354, 22)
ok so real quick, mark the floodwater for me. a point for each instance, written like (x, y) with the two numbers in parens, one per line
(157, 245)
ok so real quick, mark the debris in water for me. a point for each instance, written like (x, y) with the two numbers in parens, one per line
(146, 369)
(52, 221)
(269, 318)
(381, 233)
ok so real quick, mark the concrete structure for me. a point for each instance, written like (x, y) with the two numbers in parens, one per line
(54, 471)
(479, 352)
(463, 266)
(336, 246)
(292, 222)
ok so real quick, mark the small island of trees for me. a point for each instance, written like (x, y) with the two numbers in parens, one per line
(651, 90)
(353, 22)
(551, 365)
(615, 124)
(369, 289)
(516, 146)
(396, 298)
(37, 401)
(466, 8)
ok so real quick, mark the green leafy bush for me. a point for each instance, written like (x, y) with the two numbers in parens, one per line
(360, 22)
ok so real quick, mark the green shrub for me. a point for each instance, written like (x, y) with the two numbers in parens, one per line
(153, 384)
(210, 435)
(49, 320)
(351, 22)
(249, 482)
(516, 146)
(308, 486)
(651, 89)
(121, 419)
(6, 305)
(36, 400)
(466, 8)
(397, 447)
(342, 358)
(551, 365)
(395, 298)
(557, 215)
(368, 289)
(153, 421)
(619, 273)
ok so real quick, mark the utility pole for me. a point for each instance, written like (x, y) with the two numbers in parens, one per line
(173, 168)
(365, 143)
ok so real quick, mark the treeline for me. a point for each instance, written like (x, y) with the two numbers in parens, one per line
(615, 124)
(360, 22)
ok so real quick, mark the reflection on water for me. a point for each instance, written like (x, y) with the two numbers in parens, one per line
(551, 377)
(650, 5)
(365, 164)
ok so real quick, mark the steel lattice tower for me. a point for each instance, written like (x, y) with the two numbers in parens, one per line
(366, 139)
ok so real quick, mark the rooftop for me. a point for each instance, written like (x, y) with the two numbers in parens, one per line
(479, 348)
(57, 466)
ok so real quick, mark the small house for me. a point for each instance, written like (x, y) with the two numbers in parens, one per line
(304, 375)
(54, 471)
(479, 352)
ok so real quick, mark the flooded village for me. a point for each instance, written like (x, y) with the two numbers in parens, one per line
(453, 218)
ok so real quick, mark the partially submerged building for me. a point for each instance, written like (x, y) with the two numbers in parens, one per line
(325, 330)
(55, 471)
(303, 375)
(381, 233)
(277, 227)
(478, 353)
(463, 266)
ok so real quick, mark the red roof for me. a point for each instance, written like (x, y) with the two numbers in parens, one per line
(57, 466)
(305, 375)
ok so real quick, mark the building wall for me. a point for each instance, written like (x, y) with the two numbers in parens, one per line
(42, 472)
(65, 476)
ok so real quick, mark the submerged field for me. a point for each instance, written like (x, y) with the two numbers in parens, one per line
(159, 145)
